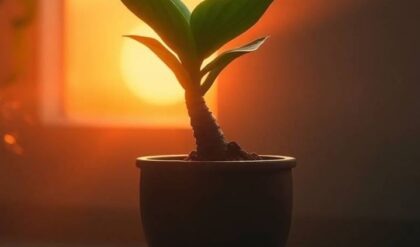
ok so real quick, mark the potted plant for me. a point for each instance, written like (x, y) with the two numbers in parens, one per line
(219, 195)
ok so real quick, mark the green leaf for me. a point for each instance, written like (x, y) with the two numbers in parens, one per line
(166, 56)
(184, 9)
(169, 19)
(216, 22)
(222, 61)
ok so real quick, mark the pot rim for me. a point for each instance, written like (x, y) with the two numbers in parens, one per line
(268, 162)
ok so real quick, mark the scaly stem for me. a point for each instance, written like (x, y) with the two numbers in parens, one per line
(211, 144)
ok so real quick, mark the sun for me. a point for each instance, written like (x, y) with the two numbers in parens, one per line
(145, 74)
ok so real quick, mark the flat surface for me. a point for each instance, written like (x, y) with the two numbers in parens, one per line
(11, 244)
(305, 233)
(32, 226)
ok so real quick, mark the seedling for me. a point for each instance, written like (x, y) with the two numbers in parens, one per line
(192, 37)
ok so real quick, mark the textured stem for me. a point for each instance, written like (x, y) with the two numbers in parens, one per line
(211, 144)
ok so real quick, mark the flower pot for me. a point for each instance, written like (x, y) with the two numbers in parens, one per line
(216, 204)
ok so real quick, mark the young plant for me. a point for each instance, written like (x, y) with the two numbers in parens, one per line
(191, 38)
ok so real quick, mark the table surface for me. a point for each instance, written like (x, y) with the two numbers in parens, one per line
(305, 233)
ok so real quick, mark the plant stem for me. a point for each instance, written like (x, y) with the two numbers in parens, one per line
(211, 144)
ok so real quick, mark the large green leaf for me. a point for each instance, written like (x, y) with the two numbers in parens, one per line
(215, 22)
(222, 61)
(166, 56)
(184, 9)
(170, 20)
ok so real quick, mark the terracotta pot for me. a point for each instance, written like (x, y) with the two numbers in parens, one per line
(216, 204)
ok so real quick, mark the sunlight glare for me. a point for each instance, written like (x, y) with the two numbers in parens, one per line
(145, 74)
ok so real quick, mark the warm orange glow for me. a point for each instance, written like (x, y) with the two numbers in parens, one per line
(145, 73)
(9, 139)
(11, 144)
(108, 79)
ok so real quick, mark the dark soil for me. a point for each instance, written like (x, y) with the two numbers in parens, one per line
(234, 152)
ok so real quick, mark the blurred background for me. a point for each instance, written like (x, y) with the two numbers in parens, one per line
(336, 86)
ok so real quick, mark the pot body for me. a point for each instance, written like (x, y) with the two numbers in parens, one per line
(216, 204)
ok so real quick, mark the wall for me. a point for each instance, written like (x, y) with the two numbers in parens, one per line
(342, 95)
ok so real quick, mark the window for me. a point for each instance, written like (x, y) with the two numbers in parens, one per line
(91, 75)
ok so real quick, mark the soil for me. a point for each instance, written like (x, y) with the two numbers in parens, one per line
(234, 152)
